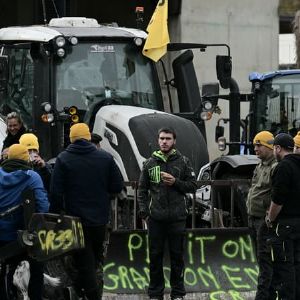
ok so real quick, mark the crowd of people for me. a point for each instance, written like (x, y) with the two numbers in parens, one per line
(166, 177)
(274, 215)
(86, 195)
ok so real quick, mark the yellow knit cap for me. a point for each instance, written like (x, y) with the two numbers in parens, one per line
(79, 131)
(30, 141)
(264, 138)
(297, 139)
(17, 151)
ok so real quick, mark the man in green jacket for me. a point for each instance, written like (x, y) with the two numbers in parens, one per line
(167, 176)
(258, 202)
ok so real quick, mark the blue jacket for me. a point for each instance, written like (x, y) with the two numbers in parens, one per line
(12, 184)
(82, 181)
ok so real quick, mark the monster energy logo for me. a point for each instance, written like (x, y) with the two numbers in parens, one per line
(154, 174)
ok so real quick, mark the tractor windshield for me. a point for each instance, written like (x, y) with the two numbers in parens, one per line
(19, 96)
(277, 105)
(93, 73)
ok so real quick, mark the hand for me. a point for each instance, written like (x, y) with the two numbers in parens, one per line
(143, 215)
(167, 178)
(38, 161)
(4, 154)
(268, 221)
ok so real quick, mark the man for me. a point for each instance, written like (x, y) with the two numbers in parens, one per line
(16, 177)
(30, 141)
(82, 180)
(258, 202)
(297, 143)
(168, 176)
(96, 139)
(284, 216)
(15, 129)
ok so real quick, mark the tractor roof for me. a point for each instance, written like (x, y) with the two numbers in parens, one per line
(79, 27)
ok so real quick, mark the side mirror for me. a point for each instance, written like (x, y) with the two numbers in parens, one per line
(219, 132)
(224, 68)
(186, 82)
(3, 73)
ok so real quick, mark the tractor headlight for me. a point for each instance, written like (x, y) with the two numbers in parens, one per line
(46, 107)
(60, 52)
(73, 40)
(222, 143)
(60, 41)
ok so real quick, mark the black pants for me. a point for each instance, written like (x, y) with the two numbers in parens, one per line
(286, 255)
(8, 291)
(266, 282)
(174, 233)
(88, 261)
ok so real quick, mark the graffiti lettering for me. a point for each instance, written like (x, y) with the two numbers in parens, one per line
(209, 275)
(51, 240)
(232, 249)
(135, 242)
(216, 264)
(201, 241)
(235, 295)
(234, 280)
(131, 278)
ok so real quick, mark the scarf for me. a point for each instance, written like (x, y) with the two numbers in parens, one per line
(10, 165)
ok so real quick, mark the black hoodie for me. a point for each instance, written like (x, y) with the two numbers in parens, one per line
(286, 186)
(82, 179)
(13, 139)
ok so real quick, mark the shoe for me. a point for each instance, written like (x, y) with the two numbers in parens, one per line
(177, 298)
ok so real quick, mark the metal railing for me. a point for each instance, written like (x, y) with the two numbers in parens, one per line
(132, 202)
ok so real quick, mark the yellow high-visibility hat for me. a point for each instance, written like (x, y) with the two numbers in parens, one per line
(265, 138)
(18, 151)
(30, 141)
(297, 139)
(79, 131)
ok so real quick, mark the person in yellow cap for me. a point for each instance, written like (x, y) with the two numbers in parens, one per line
(297, 143)
(16, 176)
(82, 181)
(258, 202)
(30, 141)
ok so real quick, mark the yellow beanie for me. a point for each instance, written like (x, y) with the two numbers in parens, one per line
(297, 139)
(79, 131)
(17, 151)
(30, 141)
(264, 138)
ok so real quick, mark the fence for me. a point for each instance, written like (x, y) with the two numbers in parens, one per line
(216, 213)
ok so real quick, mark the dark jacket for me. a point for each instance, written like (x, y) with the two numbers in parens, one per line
(166, 203)
(13, 139)
(45, 173)
(286, 186)
(14, 179)
(82, 179)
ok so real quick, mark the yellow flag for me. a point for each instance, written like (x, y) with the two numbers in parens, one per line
(158, 35)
